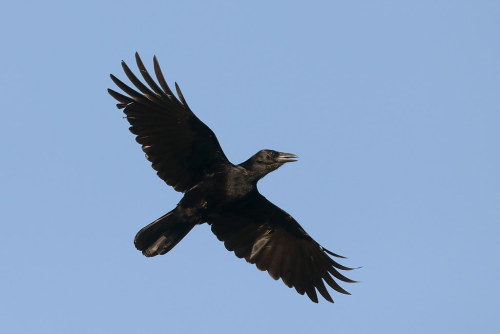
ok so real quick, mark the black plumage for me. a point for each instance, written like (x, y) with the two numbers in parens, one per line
(187, 156)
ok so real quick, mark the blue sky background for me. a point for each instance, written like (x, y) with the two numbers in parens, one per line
(392, 106)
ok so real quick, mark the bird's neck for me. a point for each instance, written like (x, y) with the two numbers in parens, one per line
(253, 174)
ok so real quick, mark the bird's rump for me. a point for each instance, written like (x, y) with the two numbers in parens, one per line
(181, 148)
(263, 234)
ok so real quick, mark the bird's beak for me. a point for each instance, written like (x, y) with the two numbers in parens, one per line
(287, 157)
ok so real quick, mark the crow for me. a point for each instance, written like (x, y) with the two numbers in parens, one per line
(186, 154)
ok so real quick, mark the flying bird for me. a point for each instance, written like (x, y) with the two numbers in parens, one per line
(186, 154)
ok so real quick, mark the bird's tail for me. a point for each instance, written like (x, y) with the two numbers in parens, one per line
(161, 235)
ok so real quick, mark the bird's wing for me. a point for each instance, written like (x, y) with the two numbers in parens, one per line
(181, 148)
(262, 233)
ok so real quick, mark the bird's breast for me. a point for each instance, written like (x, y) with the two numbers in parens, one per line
(217, 191)
(237, 185)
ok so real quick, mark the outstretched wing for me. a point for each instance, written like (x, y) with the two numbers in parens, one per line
(262, 233)
(181, 148)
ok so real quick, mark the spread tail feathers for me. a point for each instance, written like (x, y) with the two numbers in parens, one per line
(161, 235)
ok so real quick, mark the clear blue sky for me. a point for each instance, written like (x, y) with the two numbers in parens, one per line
(392, 106)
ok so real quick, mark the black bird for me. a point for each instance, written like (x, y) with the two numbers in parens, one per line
(187, 156)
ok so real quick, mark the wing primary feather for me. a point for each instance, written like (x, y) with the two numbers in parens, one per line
(120, 97)
(332, 253)
(334, 285)
(137, 83)
(315, 269)
(133, 94)
(162, 81)
(309, 283)
(338, 265)
(339, 276)
(326, 266)
(311, 291)
(148, 78)
(323, 291)
(181, 96)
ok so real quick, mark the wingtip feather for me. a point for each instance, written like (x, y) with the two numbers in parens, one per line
(181, 97)
(332, 253)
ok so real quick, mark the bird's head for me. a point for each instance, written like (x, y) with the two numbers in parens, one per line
(265, 161)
